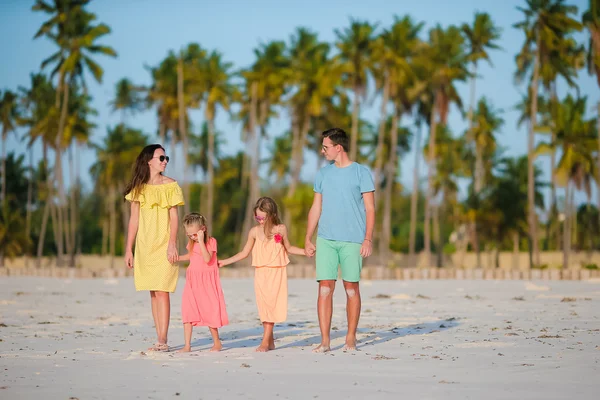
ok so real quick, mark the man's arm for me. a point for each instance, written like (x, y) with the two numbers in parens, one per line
(367, 246)
(313, 219)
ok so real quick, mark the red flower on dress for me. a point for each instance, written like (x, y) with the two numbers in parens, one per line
(278, 238)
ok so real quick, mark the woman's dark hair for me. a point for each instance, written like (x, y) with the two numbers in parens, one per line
(141, 170)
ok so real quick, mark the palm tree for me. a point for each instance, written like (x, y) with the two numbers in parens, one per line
(591, 20)
(128, 98)
(481, 37)
(355, 49)
(266, 82)
(547, 23)
(279, 162)
(70, 28)
(445, 61)
(40, 118)
(392, 54)
(575, 137)
(10, 119)
(314, 78)
(216, 76)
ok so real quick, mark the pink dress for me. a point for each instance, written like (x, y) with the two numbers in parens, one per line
(203, 303)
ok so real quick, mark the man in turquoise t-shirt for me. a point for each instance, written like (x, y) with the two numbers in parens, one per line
(344, 208)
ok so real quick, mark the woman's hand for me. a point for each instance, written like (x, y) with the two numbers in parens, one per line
(172, 254)
(129, 259)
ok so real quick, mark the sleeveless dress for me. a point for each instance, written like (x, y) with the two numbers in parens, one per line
(151, 268)
(269, 257)
(203, 302)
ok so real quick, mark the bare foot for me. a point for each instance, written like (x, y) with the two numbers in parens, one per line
(263, 348)
(349, 347)
(159, 347)
(186, 349)
(216, 347)
(321, 348)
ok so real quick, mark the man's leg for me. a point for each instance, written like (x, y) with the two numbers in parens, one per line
(351, 265)
(353, 305)
(325, 312)
(327, 260)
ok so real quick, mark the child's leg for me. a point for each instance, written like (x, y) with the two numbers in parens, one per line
(268, 342)
(217, 346)
(187, 337)
(154, 304)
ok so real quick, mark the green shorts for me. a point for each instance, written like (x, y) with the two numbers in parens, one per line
(331, 253)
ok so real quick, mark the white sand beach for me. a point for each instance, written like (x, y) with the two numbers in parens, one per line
(449, 339)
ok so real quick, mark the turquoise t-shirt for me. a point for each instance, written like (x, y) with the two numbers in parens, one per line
(343, 216)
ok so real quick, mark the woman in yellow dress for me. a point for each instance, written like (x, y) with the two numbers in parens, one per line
(153, 225)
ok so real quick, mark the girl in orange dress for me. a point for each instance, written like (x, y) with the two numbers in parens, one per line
(203, 303)
(269, 244)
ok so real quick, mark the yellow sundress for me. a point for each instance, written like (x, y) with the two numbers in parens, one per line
(152, 269)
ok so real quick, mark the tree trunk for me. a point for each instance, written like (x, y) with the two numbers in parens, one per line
(184, 137)
(553, 203)
(436, 235)
(211, 173)
(355, 121)
(567, 227)
(105, 229)
(598, 191)
(390, 175)
(74, 197)
(516, 251)
(295, 168)
(414, 199)
(113, 226)
(40, 246)
(478, 174)
(253, 180)
(532, 220)
(62, 223)
(3, 193)
(430, 172)
(28, 207)
(377, 173)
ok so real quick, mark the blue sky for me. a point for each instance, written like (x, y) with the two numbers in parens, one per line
(143, 31)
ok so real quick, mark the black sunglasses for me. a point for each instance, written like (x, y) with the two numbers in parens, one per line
(162, 158)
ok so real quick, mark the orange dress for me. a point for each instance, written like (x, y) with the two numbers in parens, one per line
(269, 257)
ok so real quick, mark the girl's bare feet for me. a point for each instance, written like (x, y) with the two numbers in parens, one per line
(263, 348)
(185, 349)
(216, 347)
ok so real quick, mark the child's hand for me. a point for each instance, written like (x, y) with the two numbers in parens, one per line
(220, 263)
(200, 236)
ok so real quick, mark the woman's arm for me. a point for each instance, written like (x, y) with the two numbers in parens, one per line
(286, 242)
(134, 220)
(172, 254)
(242, 254)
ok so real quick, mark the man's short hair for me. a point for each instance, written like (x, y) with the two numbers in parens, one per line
(338, 136)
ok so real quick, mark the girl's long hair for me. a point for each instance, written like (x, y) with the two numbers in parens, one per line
(269, 207)
(141, 171)
(196, 219)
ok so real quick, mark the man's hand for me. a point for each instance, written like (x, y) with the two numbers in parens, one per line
(309, 248)
(366, 249)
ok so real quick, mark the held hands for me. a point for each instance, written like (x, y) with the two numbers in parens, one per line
(366, 249)
(309, 248)
(129, 259)
(172, 254)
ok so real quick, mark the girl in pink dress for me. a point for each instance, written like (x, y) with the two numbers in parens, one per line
(203, 303)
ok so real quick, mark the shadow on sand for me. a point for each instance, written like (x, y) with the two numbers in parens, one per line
(251, 337)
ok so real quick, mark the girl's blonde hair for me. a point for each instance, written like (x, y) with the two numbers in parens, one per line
(269, 207)
(196, 219)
